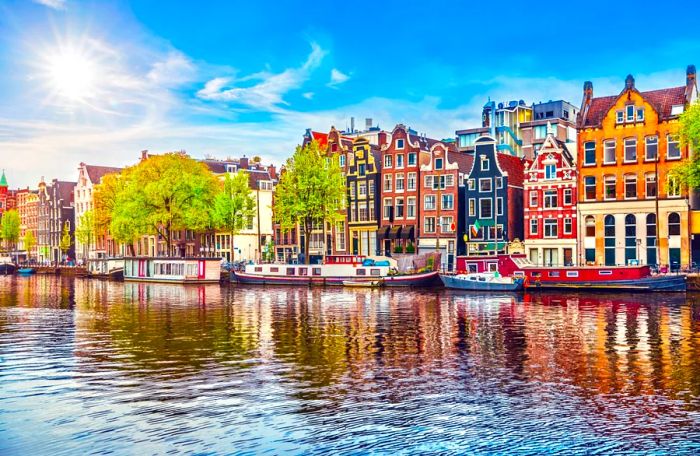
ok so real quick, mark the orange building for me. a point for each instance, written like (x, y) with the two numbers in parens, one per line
(28, 209)
(630, 211)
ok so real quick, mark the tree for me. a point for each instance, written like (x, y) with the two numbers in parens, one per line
(85, 231)
(234, 205)
(66, 241)
(688, 172)
(311, 191)
(161, 194)
(10, 228)
(29, 242)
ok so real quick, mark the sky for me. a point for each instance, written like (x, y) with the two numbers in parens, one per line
(97, 82)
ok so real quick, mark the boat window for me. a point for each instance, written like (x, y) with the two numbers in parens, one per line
(482, 279)
(290, 271)
(258, 268)
(553, 273)
(537, 274)
(472, 278)
(361, 272)
(302, 271)
(519, 274)
(275, 269)
(606, 272)
(316, 271)
(375, 272)
(572, 273)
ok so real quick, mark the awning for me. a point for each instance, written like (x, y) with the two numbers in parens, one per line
(407, 232)
(383, 232)
(395, 232)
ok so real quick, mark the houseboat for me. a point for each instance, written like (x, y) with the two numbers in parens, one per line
(335, 271)
(106, 268)
(604, 278)
(172, 270)
(482, 281)
(7, 266)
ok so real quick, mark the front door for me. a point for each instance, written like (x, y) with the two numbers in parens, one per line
(674, 258)
(568, 257)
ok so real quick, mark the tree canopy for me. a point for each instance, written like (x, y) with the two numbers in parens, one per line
(688, 172)
(234, 205)
(85, 231)
(29, 242)
(66, 241)
(9, 228)
(311, 191)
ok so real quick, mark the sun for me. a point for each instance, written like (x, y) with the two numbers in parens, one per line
(71, 74)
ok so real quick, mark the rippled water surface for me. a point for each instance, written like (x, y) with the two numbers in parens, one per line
(100, 367)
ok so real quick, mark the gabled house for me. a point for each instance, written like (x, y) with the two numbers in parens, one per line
(362, 178)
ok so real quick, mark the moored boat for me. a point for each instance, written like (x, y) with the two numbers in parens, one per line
(106, 268)
(483, 281)
(367, 284)
(172, 270)
(7, 266)
(26, 271)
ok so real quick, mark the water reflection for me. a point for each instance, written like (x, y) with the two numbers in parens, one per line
(222, 369)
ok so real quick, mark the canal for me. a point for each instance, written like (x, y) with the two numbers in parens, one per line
(101, 367)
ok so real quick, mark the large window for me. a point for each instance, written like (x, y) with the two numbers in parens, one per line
(550, 172)
(590, 226)
(540, 131)
(651, 144)
(429, 202)
(412, 159)
(609, 223)
(499, 206)
(650, 185)
(674, 224)
(589, 153)
(630, 149)
(651, 239)
(533, 198)
(673, 149)
(609, 183)
(411, 207)
(673, 187)
(399, 143)
(609, 153)
(399, 208)
(388, 160)
(533, 226)
(589, 188)
(485, 166)
(429, 226)
(386, 213)
(568, 197)
(362, 188)
(485, 208)
(550, 199)
(630, 238)
(388, 182)
(630, 186)
(448, 202)
(550, 228)
(568, 226)
(399, 160)
(340, 236)
(446, 224)
(411, 181)
(472, 207)
(438, 163)
(485, 185)
(399, 182)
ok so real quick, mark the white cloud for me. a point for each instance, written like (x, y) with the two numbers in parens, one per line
(268, 93)
(172, 71)
(55, 4)
(337, 78)
(308, 95)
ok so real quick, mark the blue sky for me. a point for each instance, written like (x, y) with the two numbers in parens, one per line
(100, 81)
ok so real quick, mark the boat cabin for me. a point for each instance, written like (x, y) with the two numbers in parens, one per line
(175, 270)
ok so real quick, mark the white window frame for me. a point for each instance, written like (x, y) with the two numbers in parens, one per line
(568, 196)
(668, 148)
(605, 149)
(485, 179)
(570, 225)
(534, 195)
(628, 145)
(646, 148)
(534, 223)
(399, 143)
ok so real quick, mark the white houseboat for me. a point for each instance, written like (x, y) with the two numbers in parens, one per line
(175, 270)
(105, 268)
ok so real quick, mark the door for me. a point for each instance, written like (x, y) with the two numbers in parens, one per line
(201, 269)
(674, 258)
(568, 257)
(142, 268)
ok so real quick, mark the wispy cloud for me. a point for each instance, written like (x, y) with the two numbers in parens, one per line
(55, 4)
(175, 69)
(308, 95)
(337, 78)
(270, 88)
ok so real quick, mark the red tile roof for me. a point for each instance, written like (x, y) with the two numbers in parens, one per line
(662, 100)
(95, 173)
(463, 160)
(321, 138)
(513, 166)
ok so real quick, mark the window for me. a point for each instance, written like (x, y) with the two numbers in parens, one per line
(533, 226)
(340, 236)
(472, 207)
(589, 153)
(448, 202)
(550, 199)
(399, 208)
(352, 190)
(609, 153)
(631, 186)
(620, 116)
(540, 131)
(388, 159)
(341, 161)
(590, 226)
(450, 180)
(362, 188)
(411, 181)
(399, 182)
(533, 198)
(650, 185)
(589, 187)
(439, 182)
(412, 159)
(630, 238)
(399, 143)
(640, 114)
(499, 206)
(630, 149)
(438, 163)
(411, 207)
(550, 228)
(673, 149)
(429, 203)
(674, 224)
(471, 184)
(609, 183)
(429, 225)
(673, 187)
(568, 196)
(362, 211)
(371, 188)
(550, 172)
(399, 160)
(428, 181)
(485, 165)
(651, 239)
(651, 147)
(485, 185)
(361, 170)
(387, 182)
(609, 240)
(568, 226)
(630, 113)
(386, 213)
(446, 224)
(485, 208)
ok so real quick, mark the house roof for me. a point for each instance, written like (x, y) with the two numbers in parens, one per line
(513, 166)
(95, 173)
(3, 180)
(662, 100)
(463, 160)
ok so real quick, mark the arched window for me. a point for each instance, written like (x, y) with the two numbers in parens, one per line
(651, 239)
(609, 234)
(674, 224)
(630, 238)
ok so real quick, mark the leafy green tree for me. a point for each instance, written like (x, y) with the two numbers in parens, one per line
(29, 242)
(160, 195)
(85, 231)
(688, 172)
(66, 241)
(234, 205)
(311, 191)
(9, 227)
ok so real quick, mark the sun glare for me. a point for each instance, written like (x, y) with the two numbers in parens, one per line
(71, 75)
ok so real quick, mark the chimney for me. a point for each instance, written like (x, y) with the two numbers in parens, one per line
(629, 82)
(144, 155)
(244, 162)
(382, 138)
(272, 171)
(352, 125)
(368, 123)
(690, 82)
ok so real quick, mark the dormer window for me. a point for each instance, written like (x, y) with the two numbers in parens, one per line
(485, 165)
(630, 113)
(438, 163)
(399, 143)
(550, 171)
(620, 117)
(640, 114)
(230, 168)
(677, 110)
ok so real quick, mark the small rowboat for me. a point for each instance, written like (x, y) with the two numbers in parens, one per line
(362, 284)
(26, 271)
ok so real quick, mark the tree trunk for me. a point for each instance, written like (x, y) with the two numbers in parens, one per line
(307, 241)
(231, 247)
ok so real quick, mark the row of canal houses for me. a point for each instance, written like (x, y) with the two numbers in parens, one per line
(562, 184)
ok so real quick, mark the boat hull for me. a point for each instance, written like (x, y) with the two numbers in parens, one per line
(472, 285)
(409, 280)
(7, 268)
(675, 283)
(26, 271)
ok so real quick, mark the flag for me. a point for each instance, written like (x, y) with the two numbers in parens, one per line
(475, 228)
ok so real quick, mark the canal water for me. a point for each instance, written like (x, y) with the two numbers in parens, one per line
(100, 367)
